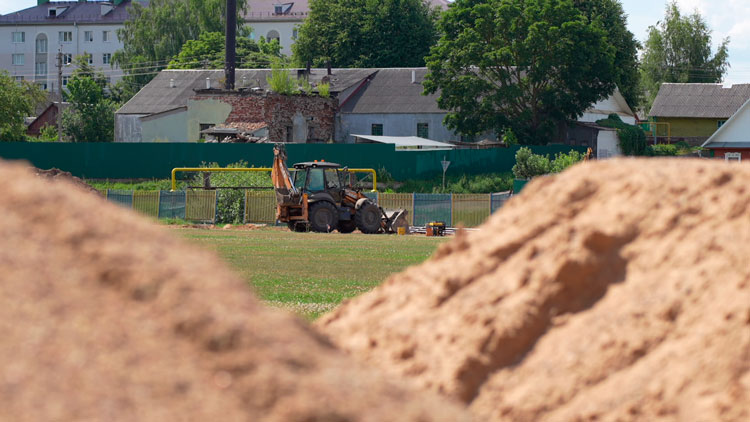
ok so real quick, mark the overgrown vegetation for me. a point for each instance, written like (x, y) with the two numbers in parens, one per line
(480, 183)
(632, 139)
(324, 90)
(529, 165)
(137, 185)
(231, 201)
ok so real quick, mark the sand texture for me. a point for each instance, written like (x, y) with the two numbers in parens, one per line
(616, 291)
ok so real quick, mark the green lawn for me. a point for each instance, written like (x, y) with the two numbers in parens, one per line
(311, 273)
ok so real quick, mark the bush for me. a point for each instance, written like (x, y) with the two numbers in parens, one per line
(280, 80)
(563, 161)
(664, 150)
(529, 165)
(632, 139)
(324, 90)
(231, 202)
(480, 183)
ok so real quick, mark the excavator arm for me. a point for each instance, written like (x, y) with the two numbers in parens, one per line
(286, 192)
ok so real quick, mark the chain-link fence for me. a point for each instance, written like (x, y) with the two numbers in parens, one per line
(469, 210)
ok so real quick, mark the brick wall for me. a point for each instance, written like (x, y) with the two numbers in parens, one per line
(279, 111)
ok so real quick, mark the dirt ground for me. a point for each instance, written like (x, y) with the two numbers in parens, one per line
(105, 316)
(616, 291)
(54, 174)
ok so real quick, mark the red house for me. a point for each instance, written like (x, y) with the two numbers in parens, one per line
(732, 140)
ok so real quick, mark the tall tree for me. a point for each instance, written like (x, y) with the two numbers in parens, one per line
(91, 115)
(208, 52)
(523, 65)
(367, 33)
(678, 49)
(18, 100)
(612, 18)
(154, 34)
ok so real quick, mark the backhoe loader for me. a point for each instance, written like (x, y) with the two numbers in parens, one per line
(320, 197)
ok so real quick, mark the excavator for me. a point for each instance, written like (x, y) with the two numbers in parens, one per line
(319, 196)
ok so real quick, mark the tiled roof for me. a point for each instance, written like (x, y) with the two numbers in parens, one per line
(699, 100)
(78, 12)
(392, 91)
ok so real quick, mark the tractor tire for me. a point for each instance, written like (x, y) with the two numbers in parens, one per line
(323, 217)
(296, 226)
(347, 226)
(368, 218)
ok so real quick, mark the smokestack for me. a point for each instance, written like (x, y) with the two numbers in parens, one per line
(171, 83)
(328, 66)
(413, 76)
(208, 83)
(229, 46)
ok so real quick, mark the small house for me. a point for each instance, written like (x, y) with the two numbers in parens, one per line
(732, 141)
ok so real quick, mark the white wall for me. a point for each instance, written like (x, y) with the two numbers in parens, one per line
(607, 144)
(76, 47)
(393, 125)
(284, 28)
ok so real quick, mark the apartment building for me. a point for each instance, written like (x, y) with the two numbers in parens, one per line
(31, 38)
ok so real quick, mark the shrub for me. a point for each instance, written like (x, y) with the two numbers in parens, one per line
(529, 165)
(280, 80)
(664, 150)
(563, 161)
(324, 90)
(231, 202)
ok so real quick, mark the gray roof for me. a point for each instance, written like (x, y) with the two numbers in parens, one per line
(78, 12)
(392, 91)
(699, 100)
(726, 145)
(157, 96)
(296, 9)
(405, 141)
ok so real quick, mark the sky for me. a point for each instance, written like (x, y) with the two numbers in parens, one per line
(727, 18)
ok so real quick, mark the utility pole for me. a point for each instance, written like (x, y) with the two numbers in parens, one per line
(229, 45)
(59, 91)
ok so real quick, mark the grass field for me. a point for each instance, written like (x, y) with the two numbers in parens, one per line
(311, 273)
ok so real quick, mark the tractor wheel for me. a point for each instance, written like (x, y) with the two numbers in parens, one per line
(297, 226)
(323, 217)
(368, 218)
(347, 226)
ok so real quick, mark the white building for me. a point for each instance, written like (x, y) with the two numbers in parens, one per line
(279, 19)
(31, 38)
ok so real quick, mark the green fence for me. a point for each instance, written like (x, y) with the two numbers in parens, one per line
(156, 160)
(469, 210)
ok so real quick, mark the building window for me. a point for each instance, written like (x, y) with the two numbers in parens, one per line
(18, 78)
(42, 85)
(294, 33)
(65, 80)
(720, 123)
(18, 60)
(41, 44)
(277, 9)
(377, 129)
(65, 36)
(423, 130)
(273, 35)
(67, 58)
(106, 36)
(52, 12)
(107, 58)
(18, 37)
(252, 35)
(732, 156)
(88, 36)
(41, 69)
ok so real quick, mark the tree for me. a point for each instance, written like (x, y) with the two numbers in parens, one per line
(367, 33)
(678, 49)
(613, 20)
(18, 100)
(91, 115)
(208, 52)
(154, 34)
(523, 65)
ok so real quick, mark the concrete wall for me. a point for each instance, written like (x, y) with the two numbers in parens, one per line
(167, 127)
(204, 111)
(76, 47)
(393, 125)
(128, 127)
(607, 144)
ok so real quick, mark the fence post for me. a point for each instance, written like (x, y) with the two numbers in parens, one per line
(244, 208)
(216, 206)
(451, 223)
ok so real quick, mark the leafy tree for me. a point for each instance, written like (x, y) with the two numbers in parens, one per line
(91, 115)
(523, 65)
(18, 100)
(366, 33)
(208, 52)
(154, 34)
(678, 49)
(614, 20)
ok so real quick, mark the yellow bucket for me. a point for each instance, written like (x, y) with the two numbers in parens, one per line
(401, 230)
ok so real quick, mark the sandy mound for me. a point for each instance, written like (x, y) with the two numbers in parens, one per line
(57, 174)
(106, 317)
(616, 291)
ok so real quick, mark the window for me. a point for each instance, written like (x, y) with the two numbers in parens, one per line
(299, 179)
(88, 36)
(65, 36)
(277, 9)
(332, 179)
(42, 85)
(18, 60)
(294, 33)
(423, 130)
(67, 58)
(18, 78)
(18, 37)
(65, 80)
(41, 69)
(41, 44)
(273, 35)
(106, 58)
(52, 13)
(106, 36)
(315, 182)
(732, 156)
(377, 129)
(720, 123)
(252, 35)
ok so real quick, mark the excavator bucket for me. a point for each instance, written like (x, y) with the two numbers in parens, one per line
(393, 219)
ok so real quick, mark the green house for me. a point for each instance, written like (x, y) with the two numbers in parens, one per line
(692, 112)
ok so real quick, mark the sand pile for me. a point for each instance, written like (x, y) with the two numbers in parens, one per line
(54, 174)
(617, 290)
(104, 316)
